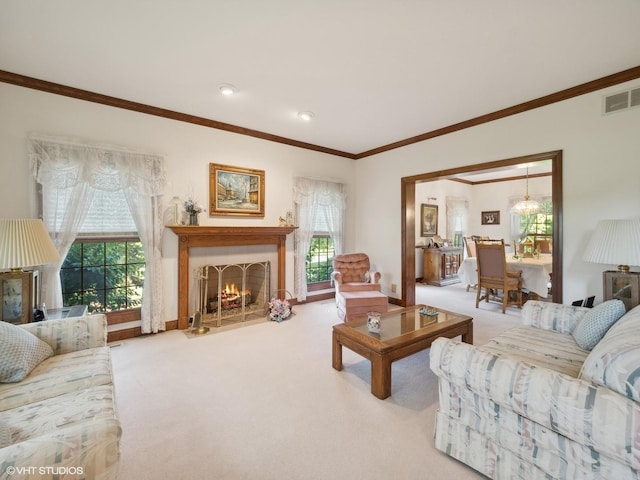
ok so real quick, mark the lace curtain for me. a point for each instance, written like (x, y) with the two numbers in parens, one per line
(309, 194)
(457, 216)
(72, 172)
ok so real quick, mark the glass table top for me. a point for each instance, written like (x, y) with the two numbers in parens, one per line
(404, 321)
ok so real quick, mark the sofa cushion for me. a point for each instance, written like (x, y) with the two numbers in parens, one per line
(552, 316)
(62, 411)
(596, 322)
(70, 334)
(58, 375)
(78, 430)
(20, 352)
(552, 350)
(615, 361)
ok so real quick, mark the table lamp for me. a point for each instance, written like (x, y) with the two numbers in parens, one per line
(24, 243)
(617, 242)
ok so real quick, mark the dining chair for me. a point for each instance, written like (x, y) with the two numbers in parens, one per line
(470, 246)
(493, 275)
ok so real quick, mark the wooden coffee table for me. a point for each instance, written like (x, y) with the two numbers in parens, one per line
(403, 332)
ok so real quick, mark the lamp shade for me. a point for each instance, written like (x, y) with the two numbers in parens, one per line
(615, 242)
(25, 242)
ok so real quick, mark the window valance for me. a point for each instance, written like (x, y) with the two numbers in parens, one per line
(61, 163)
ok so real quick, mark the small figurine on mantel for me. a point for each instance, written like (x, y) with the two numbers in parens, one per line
(287, 221)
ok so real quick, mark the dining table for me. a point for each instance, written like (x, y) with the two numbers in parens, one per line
(536, 272)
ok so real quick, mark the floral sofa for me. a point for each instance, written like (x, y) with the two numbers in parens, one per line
(538, 402)
(57, 407)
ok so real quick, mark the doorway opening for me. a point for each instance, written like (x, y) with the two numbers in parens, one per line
(408, 215)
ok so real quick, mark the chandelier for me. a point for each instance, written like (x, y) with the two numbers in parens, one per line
(526, 206)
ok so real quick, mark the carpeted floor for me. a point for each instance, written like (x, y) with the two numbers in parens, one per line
(264, 403)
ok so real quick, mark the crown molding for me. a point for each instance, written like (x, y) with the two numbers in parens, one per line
(58, 89)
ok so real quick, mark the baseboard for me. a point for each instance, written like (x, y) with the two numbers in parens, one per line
(117, 335)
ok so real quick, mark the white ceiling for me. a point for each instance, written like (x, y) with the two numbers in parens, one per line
(374, 72)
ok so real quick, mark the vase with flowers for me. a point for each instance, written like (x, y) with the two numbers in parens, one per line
(193, 210)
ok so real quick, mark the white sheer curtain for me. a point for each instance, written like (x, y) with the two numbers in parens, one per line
(314, 198)
(457, 216)
(71, 172)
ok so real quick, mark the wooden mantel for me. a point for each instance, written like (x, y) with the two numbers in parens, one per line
(203, 236)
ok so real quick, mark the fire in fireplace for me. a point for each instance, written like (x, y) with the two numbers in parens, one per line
(230, 297)
(233, 293)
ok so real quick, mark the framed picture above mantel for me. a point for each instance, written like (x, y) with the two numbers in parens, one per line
(235, 191)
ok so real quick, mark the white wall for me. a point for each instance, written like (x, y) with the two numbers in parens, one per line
(188, 150)
(601, 168)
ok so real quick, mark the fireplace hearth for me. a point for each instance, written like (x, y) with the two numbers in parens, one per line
(233, 293)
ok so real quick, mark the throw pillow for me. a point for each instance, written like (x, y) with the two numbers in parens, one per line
(20, 352)
(615, 360)
(596, 322)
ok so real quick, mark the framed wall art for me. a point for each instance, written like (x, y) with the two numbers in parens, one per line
(235, 191)
(491, 218)
(428, 220)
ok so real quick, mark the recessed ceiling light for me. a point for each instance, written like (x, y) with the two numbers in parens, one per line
(306, 116)
(227, 89)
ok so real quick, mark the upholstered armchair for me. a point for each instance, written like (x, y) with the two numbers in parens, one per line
(351, 273)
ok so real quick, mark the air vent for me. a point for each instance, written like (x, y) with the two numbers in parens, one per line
(634, 97)
(621, 101)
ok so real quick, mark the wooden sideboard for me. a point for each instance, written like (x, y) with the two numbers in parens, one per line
(440, 265)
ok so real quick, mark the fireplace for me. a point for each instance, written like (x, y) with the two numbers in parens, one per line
(192, 236)
(233, 293)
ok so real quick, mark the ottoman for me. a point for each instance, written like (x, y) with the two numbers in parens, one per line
(354, 306)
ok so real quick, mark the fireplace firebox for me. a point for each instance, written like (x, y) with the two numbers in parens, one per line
(233, 293)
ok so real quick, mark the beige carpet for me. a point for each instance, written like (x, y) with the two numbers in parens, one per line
(264, 403)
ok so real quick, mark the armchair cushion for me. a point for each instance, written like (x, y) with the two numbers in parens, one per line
(596, 322)
(352, 267)
(20, 352)
(359, 287)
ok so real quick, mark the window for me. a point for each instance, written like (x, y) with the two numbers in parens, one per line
(105, 266)
(320, 207)
(538, 225)
(104, 275)
(320, 262)
(103, 193)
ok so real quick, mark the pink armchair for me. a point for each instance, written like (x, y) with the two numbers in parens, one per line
(351, 273)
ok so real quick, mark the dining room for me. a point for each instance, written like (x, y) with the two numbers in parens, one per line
(488, 205)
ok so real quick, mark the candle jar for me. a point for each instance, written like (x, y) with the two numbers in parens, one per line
(373, 322)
